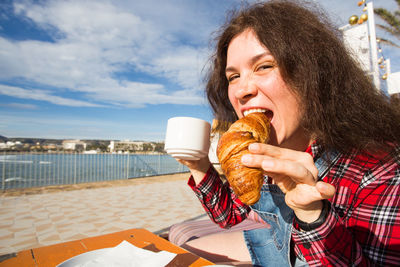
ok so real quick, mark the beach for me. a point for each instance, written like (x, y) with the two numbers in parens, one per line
(42, 216)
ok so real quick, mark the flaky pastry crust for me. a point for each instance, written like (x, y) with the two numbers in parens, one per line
(246, 182)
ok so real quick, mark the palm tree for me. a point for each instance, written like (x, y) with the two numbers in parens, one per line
(392, 23)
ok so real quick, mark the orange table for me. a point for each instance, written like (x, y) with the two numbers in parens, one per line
(55, 254)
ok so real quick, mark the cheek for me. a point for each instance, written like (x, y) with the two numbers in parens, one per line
(284, 100)
(233, 100)
(292, 112)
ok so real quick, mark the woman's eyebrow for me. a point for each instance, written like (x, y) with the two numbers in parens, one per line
(251, 61)
(257, 57)
(230, 69)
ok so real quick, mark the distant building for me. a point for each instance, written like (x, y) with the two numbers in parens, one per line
(74, 145)
(116, 146)
(11, 145)
(50, 147)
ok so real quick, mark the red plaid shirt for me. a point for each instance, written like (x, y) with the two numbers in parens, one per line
(363, 227)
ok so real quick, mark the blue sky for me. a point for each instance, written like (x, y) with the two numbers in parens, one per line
(114, 70)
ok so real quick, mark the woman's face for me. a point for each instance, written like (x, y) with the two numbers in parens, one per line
(255, 83)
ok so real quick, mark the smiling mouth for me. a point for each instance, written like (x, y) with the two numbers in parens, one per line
(269, 113)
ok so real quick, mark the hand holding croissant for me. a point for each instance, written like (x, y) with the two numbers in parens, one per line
(246, 182)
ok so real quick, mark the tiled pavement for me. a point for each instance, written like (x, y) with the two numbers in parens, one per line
(30, 218)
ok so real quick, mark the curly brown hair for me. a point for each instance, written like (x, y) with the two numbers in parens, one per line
(342, 108)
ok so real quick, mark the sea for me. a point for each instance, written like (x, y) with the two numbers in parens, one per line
(24, 170)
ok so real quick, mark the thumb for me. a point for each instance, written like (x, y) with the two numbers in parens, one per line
(326, 190)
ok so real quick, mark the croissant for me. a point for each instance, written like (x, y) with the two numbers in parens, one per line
(246, 182)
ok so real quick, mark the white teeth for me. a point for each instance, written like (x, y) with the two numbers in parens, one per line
(247, 112)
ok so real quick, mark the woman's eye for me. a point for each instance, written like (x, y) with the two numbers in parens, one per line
(233, 77)
(264, 67)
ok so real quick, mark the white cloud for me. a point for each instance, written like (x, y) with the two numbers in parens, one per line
(93, 41)
(182, 64)
(43, 95)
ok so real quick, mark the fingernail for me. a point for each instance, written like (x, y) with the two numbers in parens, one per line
(246, 159)
(267, 164)
(323, 186)
(253, 147)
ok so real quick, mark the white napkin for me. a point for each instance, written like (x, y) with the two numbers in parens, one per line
(128, 255)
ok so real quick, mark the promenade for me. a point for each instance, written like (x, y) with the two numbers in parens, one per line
(38, 217)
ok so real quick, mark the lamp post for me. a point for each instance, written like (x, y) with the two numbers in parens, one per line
(374, 50)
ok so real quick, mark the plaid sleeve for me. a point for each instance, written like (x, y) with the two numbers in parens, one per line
(329, 245)
(363, 226)
(218, 200)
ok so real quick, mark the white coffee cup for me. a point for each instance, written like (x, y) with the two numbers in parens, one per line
(187, 138)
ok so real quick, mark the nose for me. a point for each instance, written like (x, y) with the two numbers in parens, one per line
(247, 89)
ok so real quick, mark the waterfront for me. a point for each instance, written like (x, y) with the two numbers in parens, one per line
(24, 170)
(37, 217)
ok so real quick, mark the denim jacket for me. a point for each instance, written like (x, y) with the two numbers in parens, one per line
(271, 246)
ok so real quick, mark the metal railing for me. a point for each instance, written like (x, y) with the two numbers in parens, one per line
(24, 170)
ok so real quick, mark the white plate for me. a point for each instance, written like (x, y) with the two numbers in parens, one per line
(83, 258)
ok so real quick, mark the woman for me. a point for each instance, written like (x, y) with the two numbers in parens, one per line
(333, 157)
